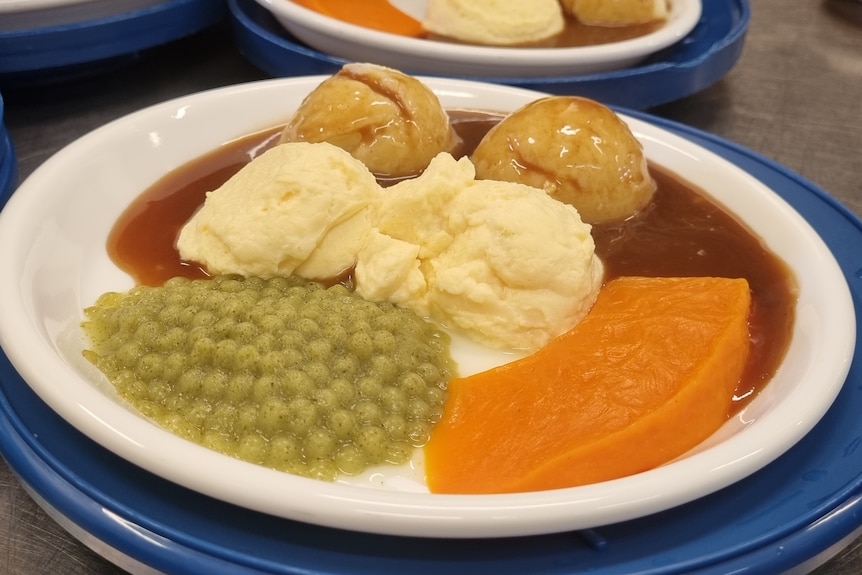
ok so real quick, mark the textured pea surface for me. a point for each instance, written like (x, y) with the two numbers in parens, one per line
(282, 372)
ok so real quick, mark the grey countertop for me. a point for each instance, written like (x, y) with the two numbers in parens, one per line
(795, 96)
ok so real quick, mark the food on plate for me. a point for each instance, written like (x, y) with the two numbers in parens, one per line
(499, 260)
(442, 244)
(616, 12)
(464, 252)
(577, 150)
(517, 23)
(495, 22)
(647, 375)
(391, 122)
(375, 14)
(297, 208)
(280, 372)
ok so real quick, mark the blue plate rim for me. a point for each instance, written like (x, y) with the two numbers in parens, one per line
(680, 79)
(33, 49)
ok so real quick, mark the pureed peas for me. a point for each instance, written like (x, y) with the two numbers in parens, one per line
(281, 372)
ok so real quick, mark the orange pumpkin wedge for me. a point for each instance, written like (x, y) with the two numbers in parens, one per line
(375, 14)
(645, 377)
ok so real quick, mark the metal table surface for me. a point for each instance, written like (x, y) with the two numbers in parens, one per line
(795, 96)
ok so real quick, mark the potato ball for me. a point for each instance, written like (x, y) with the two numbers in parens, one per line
(579, 151)
(616, 12)
(390, 121)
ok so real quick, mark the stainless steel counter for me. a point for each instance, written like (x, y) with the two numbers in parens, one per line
(795, 97)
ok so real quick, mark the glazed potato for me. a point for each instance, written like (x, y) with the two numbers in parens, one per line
(390, 121)
(579, 151)
(616, 12)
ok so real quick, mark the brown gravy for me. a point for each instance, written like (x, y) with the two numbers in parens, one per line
(681, 234)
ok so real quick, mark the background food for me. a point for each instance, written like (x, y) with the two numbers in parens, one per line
(616, 12)
(391, 122)
(495, 22)
(297, 208)
(375, 14)
(579, 151)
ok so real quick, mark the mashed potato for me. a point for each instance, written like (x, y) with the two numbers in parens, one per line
(495, 22)
(501, 262)
(297, 208)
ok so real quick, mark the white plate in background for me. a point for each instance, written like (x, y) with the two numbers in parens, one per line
(358, 44)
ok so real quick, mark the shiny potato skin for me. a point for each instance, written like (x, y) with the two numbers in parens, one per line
(579, 151)
(390, 121)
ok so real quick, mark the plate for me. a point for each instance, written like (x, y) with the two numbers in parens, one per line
(8, 160)
(50, 53)
(346, 40)
(61, 266)
(8, 167)
(699, 60)
(24, 14)
(798, 510)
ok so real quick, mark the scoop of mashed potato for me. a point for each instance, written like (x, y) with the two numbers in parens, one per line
(579, 151)
(495, 22)
(297, 208)
(391, 122)
(501, 262)
(616, 12)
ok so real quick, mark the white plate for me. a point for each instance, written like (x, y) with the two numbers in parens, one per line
(54, 231)
(33, 14)
(429, 57)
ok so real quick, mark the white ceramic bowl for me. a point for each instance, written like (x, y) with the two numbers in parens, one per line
(53, 232)
(35, 14)
(440, 58)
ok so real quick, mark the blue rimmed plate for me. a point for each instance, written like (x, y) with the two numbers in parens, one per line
(700, 59)
(49, 53)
